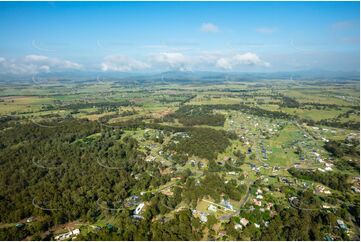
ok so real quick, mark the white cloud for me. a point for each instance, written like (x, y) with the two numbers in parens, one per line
(170, 58)
(36, 58)
(249, 59)
(224, 63)
(209, 28)
(237, 60)
(266, 30)
(122, 63)
(32, 64)
(174, 60)
(207, 61)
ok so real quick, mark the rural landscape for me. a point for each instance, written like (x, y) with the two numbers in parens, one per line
(180, 159)
(180, 121)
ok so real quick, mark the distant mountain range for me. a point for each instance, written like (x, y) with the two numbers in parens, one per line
(188, 75)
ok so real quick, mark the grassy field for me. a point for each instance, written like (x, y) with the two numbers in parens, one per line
(313, 114)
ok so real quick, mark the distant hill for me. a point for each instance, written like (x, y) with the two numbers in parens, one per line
(187, 76)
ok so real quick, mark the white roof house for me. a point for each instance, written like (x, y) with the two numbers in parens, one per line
(212, 208)
(139, 208)
(203, 217)
(244, 221)
(238, 226)
(67, 235)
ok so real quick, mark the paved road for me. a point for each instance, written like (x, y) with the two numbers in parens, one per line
(247, 195)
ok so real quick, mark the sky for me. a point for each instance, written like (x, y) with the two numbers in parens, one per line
(39, 37)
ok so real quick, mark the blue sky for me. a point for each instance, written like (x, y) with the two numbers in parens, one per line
(159, 36)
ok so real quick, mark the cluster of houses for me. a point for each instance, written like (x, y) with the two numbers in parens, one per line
(258, 200)
(69, 235)
(322, 189)
(243, 222)
(203, 216)
(328, 165)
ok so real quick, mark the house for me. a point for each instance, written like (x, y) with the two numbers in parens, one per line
(30, 219)
(237, 226)
(322, 189)
(285, 180)
(341, 224)
(68, 235)
(325, 140)
(316, 154)
(150, 158)
(275, 169)
(257, 203)
(328, 169)
(244, 221)
(321, 170)
(193, 163)
(227, 204)
(259, 197)
(138, 209)
(212, 208)
(203, 217)
(355, 189)
(292, 199)
(257, 225)
(269, 206)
